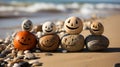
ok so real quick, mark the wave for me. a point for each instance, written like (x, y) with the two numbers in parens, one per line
(68, 7)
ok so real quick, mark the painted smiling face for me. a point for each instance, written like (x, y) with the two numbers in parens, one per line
(73, 25)
(27, 25)
(96, 28)
(48, 28)
(73, 42)
(49, 42)
(24, 40)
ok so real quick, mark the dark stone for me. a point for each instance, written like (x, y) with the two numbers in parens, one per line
(24, 64)
(96, 42)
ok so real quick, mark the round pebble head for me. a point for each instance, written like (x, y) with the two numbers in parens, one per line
(49, 42)
(73, 25)
(59, 25)
(96, 42)
(48, 28)
(72, 42)
(96, 28)
(24, 40)
(37, 28)
(27, 25)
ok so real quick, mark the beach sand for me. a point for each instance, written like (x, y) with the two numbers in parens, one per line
(107, 58)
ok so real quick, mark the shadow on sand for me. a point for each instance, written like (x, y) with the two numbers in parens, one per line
(108, 50)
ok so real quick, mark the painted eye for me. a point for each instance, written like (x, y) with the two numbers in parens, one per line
(45, 26)
(51, 26)
(76, 22)
(30, 24)
(28, 38)
(22, 38)
(69, 21)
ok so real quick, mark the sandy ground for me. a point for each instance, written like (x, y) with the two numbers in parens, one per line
(107, 58)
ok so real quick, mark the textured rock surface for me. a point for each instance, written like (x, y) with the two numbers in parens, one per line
(72, 42)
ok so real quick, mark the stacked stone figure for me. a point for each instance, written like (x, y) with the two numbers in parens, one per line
(96, 41)
(73, 41)
(49, 41)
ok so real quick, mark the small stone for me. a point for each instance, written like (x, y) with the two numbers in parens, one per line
(29, 56)
(48, 54)
(16, 65)
(38, 34)
(7, 59)
(3, 63)
(24, 64)
(20, 53)
(27, 51)
(37, 51)
(7, 40)
(96, 42)
(64, 51)
(35, 63)
(1, 41)
(20, 57)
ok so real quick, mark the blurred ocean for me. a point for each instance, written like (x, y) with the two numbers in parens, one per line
(13, 12)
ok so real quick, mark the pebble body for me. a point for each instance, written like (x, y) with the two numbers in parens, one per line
(49, 42)
(96, 42)
(72, 42)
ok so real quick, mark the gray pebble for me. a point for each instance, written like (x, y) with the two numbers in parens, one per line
(37, 51)
(27, 51)
(29, 56)
(64, 51)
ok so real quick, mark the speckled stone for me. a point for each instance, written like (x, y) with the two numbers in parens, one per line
(72, 42)
(96, 42)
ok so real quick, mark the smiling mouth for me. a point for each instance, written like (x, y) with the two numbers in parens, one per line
(22, 43)
(95, 30)
(71, 28)
(27, 28)
(48, 30)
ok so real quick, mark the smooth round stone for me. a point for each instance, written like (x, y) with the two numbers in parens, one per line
(96, 42)
(1, 41)
(64, 51)
(16, 65)
(49, 42)
(37, 51)
(73, 25)
(35, 63)
(72, 42)
(21, 64)
(20, 53)
(27, 51)
(29, 56)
